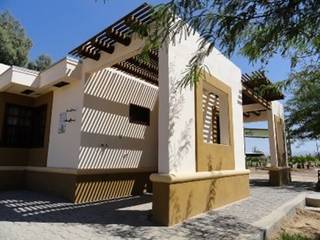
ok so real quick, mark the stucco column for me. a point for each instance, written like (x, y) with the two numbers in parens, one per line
(277, 135)
(179, 191)
(279, 173)
(176, 113)
(272, 139)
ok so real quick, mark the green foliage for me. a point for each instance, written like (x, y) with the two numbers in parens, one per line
(41, 63)
(301, 161)
(14, 44)
(258, 29)
(287, 236)
(303, 108)
(256, 161)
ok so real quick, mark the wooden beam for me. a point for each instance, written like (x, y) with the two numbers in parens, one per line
(147, 66)
(248, 92)
(246, 114)
(100, 46)
(253, 107)
(94, 56)
(118, 32)
(140, 73)
(135, 24)
(257, 113)
(118, 37)
(256, 133)
(153, 55)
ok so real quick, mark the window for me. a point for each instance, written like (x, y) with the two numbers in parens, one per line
(39, 125)
(24, 126)
(215, 116)
(139, 115)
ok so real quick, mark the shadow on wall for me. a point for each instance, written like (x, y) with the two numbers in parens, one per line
(212, 188)
(104, 189)
(177, 152)
(108, 138)
(110, 186)
(190, 199)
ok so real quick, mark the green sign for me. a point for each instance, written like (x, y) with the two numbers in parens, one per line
(256, 133)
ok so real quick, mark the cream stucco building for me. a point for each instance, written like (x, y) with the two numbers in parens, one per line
(105, 124)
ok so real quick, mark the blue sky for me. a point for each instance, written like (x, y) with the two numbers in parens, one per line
(57, 26)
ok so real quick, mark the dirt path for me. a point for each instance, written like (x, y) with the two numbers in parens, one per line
(305, 222)
(299, 175)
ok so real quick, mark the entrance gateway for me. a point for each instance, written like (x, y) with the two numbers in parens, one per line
(113, 125)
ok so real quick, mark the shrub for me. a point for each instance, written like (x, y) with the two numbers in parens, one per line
(256, 161)
(287, 236)
(302, 161)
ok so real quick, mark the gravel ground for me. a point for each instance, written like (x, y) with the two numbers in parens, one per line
(28, 215)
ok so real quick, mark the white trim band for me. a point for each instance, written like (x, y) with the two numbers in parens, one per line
(76, 171)
(188, 177)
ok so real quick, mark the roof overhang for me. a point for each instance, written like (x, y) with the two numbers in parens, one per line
(66, 69)
(18, 76)
(24, 81)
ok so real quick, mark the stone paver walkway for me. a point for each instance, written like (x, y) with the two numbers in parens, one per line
(30, 216)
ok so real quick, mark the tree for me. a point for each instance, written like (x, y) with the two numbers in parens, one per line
(303, 111)
(14, 44)
(257, 29)
(41, 63)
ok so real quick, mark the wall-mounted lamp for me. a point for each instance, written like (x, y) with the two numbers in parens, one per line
(71, 110)
(70, 120)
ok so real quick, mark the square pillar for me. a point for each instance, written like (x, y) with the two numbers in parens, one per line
(279, 173)
(272, 139)
(176, 125)
(180, 189)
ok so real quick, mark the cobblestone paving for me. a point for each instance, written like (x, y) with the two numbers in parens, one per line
(31, 216)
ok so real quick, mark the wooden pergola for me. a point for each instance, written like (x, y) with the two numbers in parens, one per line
(257, 88)
(121, 32)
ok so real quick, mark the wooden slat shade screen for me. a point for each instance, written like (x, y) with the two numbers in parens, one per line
(255, 82)
(211, 118)
(118, 32)
(140, 68)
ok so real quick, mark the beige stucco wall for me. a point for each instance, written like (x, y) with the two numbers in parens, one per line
(178, 198)
(108, 139)
(177, 118)
(177, 150)
(101, 135)
(64, 147)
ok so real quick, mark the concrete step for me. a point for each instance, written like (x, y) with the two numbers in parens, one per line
(313, 200)
(314, 209)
